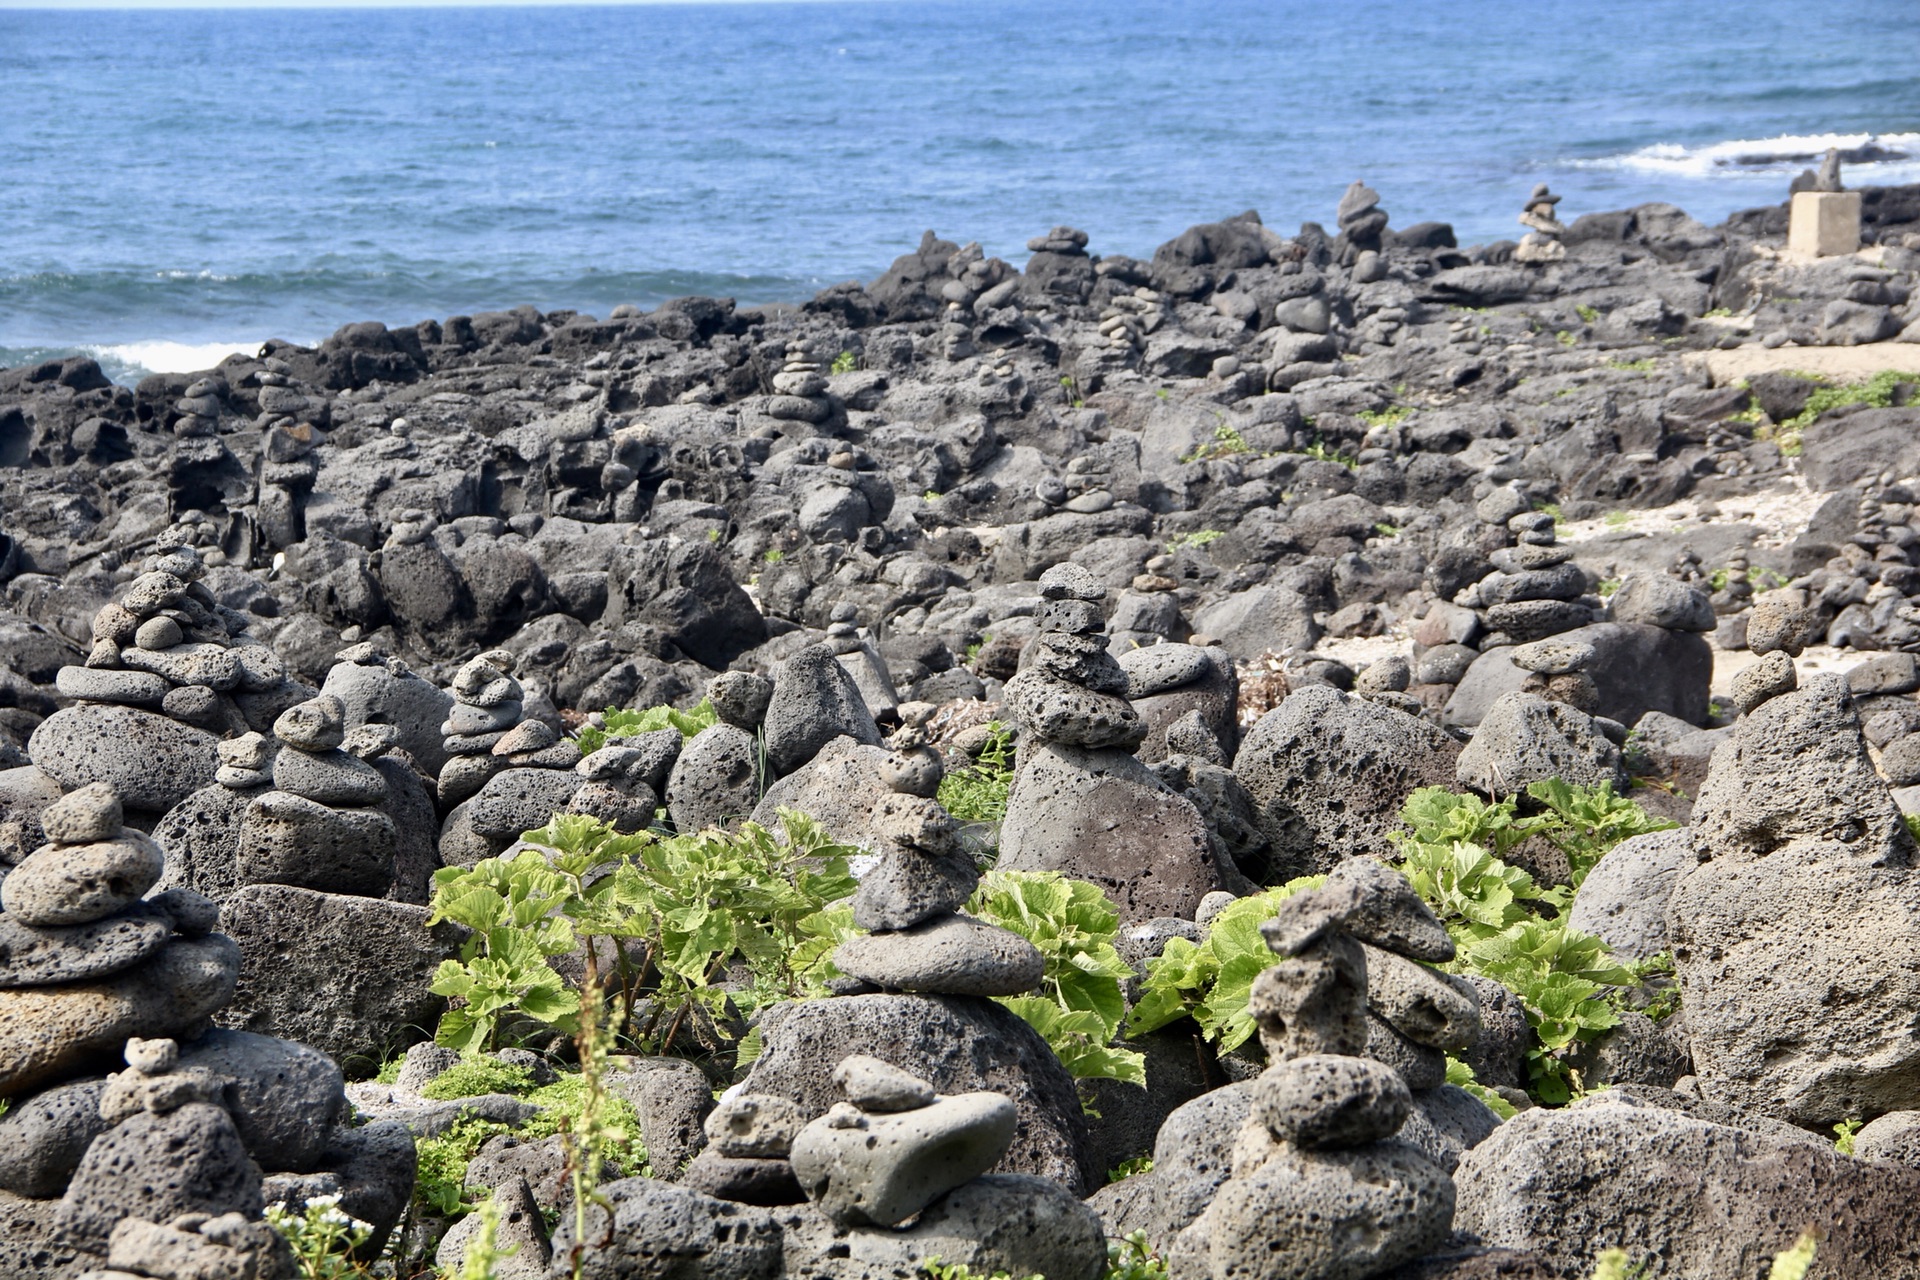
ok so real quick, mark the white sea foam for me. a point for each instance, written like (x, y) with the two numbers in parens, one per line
(161, 356)
(1787, 154)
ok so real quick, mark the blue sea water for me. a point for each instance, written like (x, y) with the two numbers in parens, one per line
(176, 183)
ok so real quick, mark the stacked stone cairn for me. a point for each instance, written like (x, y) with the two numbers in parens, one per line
(1320, 1188)
(170, 672)
(487, 702)
(1362, 222)
(1541, 244)
(159, 1166)
(1081, 803)
(800, 389)
(320, 825)
(526, 770)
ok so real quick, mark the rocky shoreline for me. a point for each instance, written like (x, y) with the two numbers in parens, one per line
(1233, 551)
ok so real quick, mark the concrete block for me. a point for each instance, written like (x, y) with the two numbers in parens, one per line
(1824, 223)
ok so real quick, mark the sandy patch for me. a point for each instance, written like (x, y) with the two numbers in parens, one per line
(1843, 364)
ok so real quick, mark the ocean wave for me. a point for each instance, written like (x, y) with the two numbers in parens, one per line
(1877, 157)
(161, 356)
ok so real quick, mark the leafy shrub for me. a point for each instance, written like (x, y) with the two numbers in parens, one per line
(439, 1184)
(619, 722)
(1514, 931)
(323, 1237)
(1081, 1004)
(1194, 540)
(695, 903)
(1209, 981)
(1132, 1258)
(1461, 1075)
(978, 792)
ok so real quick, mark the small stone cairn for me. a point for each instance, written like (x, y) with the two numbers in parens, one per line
(319, 826)
(1082, 803)
(1362, 221)
(1535, 590)
(488, 702)
(800, 389)
(1542, 242)
(85, 962)
(1320, 1187)
(527, 771)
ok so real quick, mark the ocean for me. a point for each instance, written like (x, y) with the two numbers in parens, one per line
(177, 184)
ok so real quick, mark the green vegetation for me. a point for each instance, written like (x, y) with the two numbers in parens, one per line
(1392, 416)
(1081, 1002)
(1617, 519)
(1133, 1259)
(1759, 577)
(1613, 1264)
(619, 722)
(1843, 1135)
(1461, 1075)
(1586, 313)
(931, 495)
(1718, 313)
(481, 1259)
(1072, 389)
(1209, 981)
(440, 1185)
(845, 362)
(1552, 509)
(1193, 541)
(1385, 530)
(1513, 930)
(693, 903)
(934, 1269)
(323, 1238)
(773, 555)
(477, 1074)
(1226, 443)
(1321, 451)
(1607, 586)
(1876, 393)
(1646, 364)
(1127, 1168)
(1566, 338)
(978, 792)
(1797, 1261)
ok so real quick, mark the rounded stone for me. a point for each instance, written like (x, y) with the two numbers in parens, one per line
(81, 883)
(80, 817)
(950, 955)
(1327, 1100)
(754, 1125)
(151, 762)
(40, 957)
(94, 684)
(318, 724)
(159, 632)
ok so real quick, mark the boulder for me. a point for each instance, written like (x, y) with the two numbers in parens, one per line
(1525, 738)
(1623, 900)
(1635, 669)
(639, 1229)
(153, 763)
(157, 1167)
(814, 701)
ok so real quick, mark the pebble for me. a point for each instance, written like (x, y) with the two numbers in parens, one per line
(1070, 581)
(159, 632)
(467, 720)
(1553, 657)
(882, 1169)
(878, 1087)
(1160, 667)
(746, 1126)
(318, 724)
(1768, 678)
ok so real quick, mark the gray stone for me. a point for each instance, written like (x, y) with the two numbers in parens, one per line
(521, 1233)
(1330, 773)
(1192, 1157)
(371, 1168)
(1888, 673)
(34, 957)
(416, 855)
(1445, 1123)
(1499, 1056)
(348, 976)
(1525, 738)
(96, 684)
(1160, 667)
(43, 1137)
(841, 788)
(1894, 1137)
(285, 1098)
(880, 1087)
(381, 695)
(1048, 709)
(1768, 678)
(814, 701)
(197, 1247)
(1421, 1066)
(1558, 582)
(156, 1167)
(201, 835)
(328, 777)
(1637, 1051)
(32, 1246)
(717, 780)
(151, 762)
(466, 720)
(1623, 900)
(1103, 816)
(761, 1180)
(1445, 664)
(673, 1100)
(755, 1125)
(1333, 1215)
(1656, 600)
(49, 1033)
(83, 816)
(1900, 761)
(1269, 618)
(957, 1045)
(1213, 701)
(949, 955)
(1783, 620)
(1389, 914)
(1558, 655)
(878, 1170)
(1431, 1008)
(1330, 1101)
(1699, 1199)
(286, 839)
(212, 665)
(640, 1229)
(741, 698)
(519, 800)
(1793, 938)
(910, 886)
(71, 884)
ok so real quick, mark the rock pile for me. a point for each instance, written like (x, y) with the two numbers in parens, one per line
(1081, 803)
(504, 775)
(1362, 222)
(320, 826)
(1541, 244)
(103, 1169)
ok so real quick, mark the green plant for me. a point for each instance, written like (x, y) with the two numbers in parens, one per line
(1843, 1135)
(935, 1269)
(845, 362)
(1551, 509)
(713, 535)
(1718, 313)
(1226, 442)
(695, 902)
(439, 1184)
(1460, 1075)
(1387, 530)
(772, 555)
(1392, 416)
(589, 1131)
(1321, 451)
(1072, 389)
(1507, 927)
(621, 722)
(1797, 1261)
(1566, 338)
(1128, 1168)
(1876, 392)
(1645, 364)
(1614, 1264)
(1586, 313)
(1913, 824)
(1161, 393)
(389, 1072)
(978, 792)
(1607, 586)
(323, 1238)
(1132, 1258)
(973, 650)
(1209, 981)
(1194, 540)
(1617, 519)
(475, 1075)
(1081, 1003)
(931, 495)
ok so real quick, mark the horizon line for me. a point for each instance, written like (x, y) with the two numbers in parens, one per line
(176, 6)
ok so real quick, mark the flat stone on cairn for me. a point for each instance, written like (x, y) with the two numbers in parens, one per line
(317, 828)
(1542, 243)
